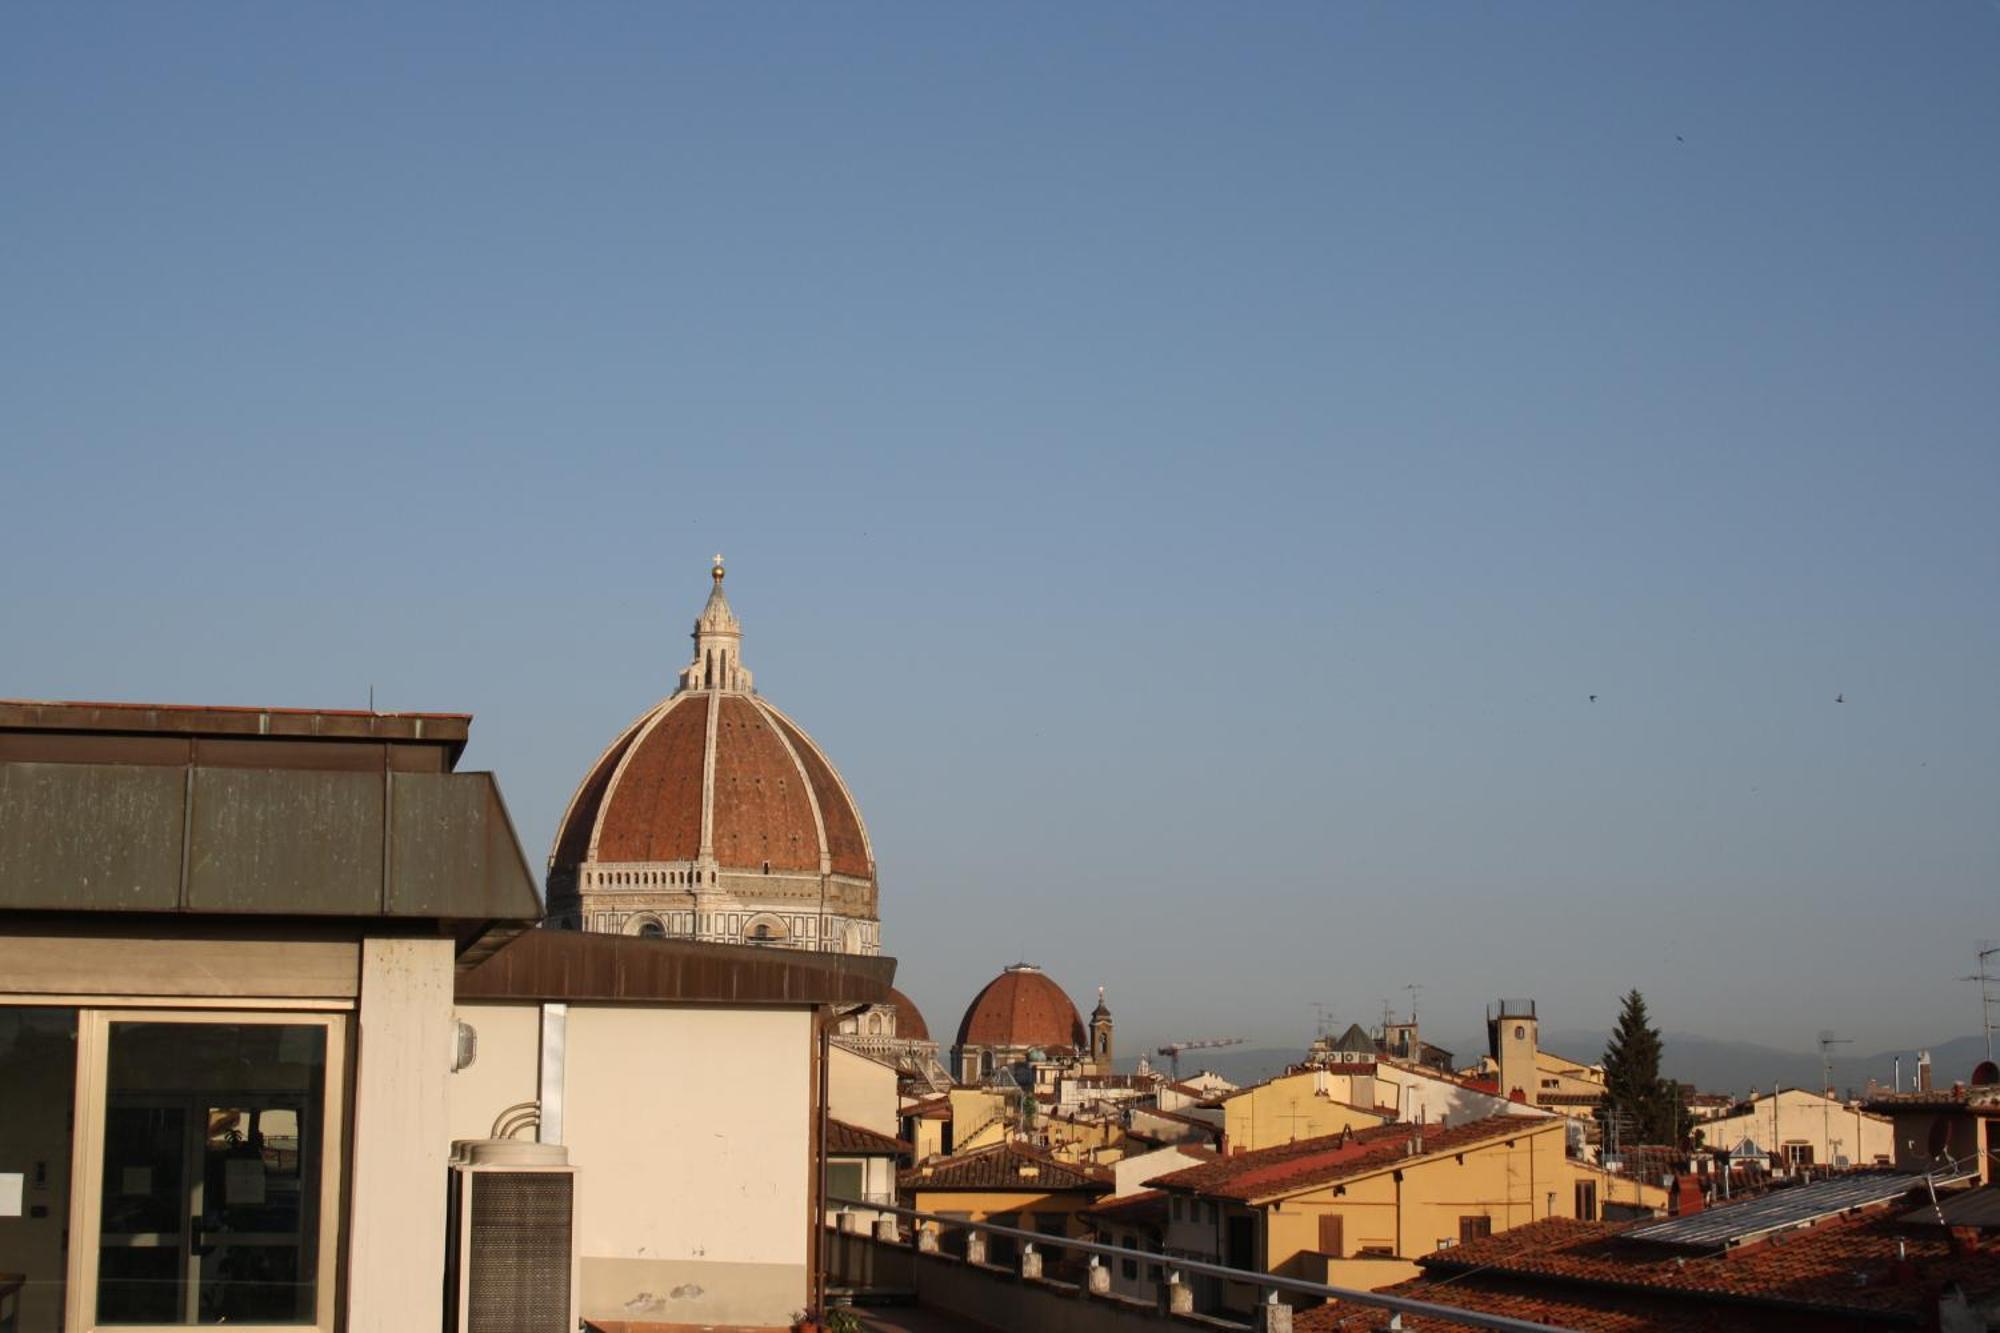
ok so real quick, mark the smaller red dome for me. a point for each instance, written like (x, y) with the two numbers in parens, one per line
(910, 1025)
(1022, 1008)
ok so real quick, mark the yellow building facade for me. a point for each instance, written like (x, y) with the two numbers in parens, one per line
(1287, 1109)
(1396, 1192)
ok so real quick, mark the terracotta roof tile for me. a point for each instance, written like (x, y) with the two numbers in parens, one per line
(1847, 1264)
(1980, 1101)
(1600, 1312)
(1005, 1166)
(1310, 1163)
(855, 1141)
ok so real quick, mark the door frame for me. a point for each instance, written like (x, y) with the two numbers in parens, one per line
(93, 1050)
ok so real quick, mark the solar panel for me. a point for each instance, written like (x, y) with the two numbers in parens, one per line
(1972, 1208)
(1734, 1223)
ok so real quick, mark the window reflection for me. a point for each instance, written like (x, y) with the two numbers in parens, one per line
(37, 1102)
(212, 1146)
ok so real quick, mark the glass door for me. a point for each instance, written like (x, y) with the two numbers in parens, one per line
(215, 1161)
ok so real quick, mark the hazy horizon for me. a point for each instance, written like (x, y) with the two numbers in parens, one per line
(1190, 467)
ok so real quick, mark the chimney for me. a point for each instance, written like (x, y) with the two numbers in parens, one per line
(1923, 1071)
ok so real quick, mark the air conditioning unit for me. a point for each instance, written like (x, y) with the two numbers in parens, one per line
(511, 1265)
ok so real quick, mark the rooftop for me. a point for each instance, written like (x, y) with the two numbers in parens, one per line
(1847, 1265)
(227, 721)
(111, 808)
(1146, 1208)
(569, 965)
(845, 1140)
(1312, 1163)
(1005, 1166)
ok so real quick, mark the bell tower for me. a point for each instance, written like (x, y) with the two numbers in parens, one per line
(1100, 1035)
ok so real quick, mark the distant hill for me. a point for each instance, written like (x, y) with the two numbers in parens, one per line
(1238, 1064)
(1711, 1064)
(1738, 1066)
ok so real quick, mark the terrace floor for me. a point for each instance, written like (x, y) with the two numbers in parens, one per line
(915, 1319)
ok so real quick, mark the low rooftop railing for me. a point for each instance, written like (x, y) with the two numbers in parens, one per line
(1269, 1285)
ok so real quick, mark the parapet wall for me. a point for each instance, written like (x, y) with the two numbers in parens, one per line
(996, 1297)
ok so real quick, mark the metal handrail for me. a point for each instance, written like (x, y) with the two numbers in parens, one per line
(1269, 1283)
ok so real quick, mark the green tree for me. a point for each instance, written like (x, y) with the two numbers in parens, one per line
(1642, 1106)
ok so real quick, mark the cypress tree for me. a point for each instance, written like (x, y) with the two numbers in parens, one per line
(1646, 1105)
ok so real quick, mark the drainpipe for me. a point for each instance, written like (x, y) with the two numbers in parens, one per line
(816, 1276)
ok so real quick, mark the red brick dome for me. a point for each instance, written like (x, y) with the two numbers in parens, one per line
(771, 800)
(910, 1023)
(713, 816)
(1022, 1008)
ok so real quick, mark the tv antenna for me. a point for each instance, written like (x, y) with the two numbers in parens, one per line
(1988, 951)
(1322, 1011)
(1827, 1041)
(1414, 988)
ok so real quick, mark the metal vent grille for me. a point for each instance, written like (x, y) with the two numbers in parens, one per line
(518, 1260)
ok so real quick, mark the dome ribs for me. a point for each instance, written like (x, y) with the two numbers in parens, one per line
(846, 845)
(1021, 1008)
(654, 810)
(761, 811)
(573, 838)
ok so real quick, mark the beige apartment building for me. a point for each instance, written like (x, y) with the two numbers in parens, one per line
(260, 969)
(1335, 1208)
(1292, 1107)
(1798, 1128)
(228, 940)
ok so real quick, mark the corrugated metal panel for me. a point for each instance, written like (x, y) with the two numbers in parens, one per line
(90, 836)
(573, 965)
(298, 842)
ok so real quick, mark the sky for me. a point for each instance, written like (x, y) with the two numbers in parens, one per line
(1190, 465)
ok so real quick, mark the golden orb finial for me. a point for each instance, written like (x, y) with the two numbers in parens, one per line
(716, 571)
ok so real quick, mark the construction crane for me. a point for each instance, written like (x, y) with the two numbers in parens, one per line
(1172, 1050)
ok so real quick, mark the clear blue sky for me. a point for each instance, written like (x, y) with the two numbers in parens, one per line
(1189, 464)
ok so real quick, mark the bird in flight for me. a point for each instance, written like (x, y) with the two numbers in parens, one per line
(1593, 698)
(1840, 698)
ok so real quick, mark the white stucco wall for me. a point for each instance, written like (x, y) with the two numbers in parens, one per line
(689, 1128)
(1130, 1174)
(690, 1132)
(503, 1074)
(861, 1091)
(1831, 1128)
